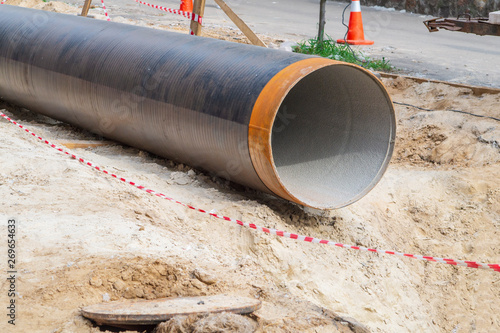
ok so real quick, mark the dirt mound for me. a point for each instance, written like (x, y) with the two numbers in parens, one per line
(57, 294)
(220, 323)
(24, 3)
(94, 280)
(51, 6)
(444, 137)
(56, 6)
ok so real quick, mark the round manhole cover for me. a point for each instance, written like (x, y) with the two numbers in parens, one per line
(153, 312)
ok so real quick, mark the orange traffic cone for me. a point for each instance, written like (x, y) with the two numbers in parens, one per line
(187, 5)
(355, 35)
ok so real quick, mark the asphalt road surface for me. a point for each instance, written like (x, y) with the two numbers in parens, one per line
(400, 37)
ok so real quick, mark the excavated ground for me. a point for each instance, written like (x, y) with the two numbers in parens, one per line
(84, 237)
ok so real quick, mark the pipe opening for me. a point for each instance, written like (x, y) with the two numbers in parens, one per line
(333, 136)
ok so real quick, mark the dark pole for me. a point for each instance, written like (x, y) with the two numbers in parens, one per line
(322, 11)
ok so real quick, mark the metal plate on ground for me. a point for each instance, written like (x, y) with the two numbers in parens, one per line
(153, 312)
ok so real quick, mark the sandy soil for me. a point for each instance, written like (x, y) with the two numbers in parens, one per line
(85, 238)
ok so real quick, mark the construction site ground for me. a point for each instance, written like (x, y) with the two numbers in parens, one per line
(84, 237)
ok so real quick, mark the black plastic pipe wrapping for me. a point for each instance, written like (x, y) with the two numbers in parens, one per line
(308, 129)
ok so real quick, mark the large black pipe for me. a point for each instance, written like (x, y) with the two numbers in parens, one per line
(311, 130)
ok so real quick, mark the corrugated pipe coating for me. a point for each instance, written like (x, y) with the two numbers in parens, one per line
(311, 130)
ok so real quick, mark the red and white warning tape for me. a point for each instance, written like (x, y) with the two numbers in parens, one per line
(105, 10)
(189, 15)
(471, 264)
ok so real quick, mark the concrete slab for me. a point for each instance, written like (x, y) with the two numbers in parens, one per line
(494, 17)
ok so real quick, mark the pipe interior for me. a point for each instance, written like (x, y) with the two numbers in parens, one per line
(333, 136)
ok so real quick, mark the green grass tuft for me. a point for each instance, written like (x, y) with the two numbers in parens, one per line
(332, 50)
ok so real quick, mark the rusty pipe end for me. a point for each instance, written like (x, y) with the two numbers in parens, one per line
(321, 133)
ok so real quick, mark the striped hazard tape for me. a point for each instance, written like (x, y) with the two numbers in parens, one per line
(464, 263)
(105, 11)
(188, 15)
